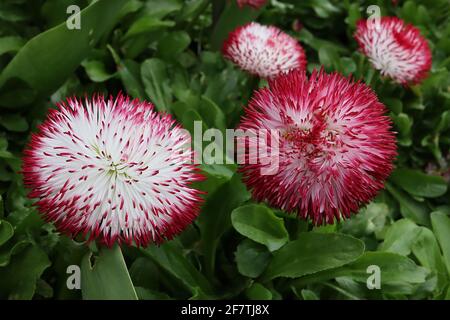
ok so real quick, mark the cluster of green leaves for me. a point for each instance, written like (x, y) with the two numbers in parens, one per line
(167, 51)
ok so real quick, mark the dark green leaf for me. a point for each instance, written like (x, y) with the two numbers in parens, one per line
(251, 258)
(18, 279)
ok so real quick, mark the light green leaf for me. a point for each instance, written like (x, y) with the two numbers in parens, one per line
(400, 237)
(155, 79)
(107, 278)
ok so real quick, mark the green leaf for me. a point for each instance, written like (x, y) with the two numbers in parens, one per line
(441, 226)
(147, 24)
(48, 59)
(144, 273)
(354, 14)
(160, 9)
(173, 44)
(400, 237)
(96, 70)
(426, 249)
(215, 218)
(403, 124)
(18, 279)
(6, 231)
(309, 295)
(313, 252)
(369, 220)
(258, 292)
(9, 250)
(10, 44)
(14, 122)
(260, 224)
(395, 105)
(170, 257)
(211, 113)
(191, 9)
(410, 208)
(155, 79)
(418, 183)
(348, 66)
(399, 274)
(16, 93)
(130, 74)
(251, 258)
(147, 294)
(107, 278)
(329, 58)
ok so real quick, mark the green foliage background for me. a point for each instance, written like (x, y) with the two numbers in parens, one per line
(166, 51)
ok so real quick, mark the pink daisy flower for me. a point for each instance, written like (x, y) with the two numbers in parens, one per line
(265, 51)
(255, 4)
(397, 49)
(335, 146)
(114, 169)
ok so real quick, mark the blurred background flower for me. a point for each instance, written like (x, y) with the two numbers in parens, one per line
(265, 51)
(395, 48)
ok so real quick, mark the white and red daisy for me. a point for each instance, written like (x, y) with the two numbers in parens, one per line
(397, 49)
(114, 169)
(265, 51)
(335, 146)
(255, 4)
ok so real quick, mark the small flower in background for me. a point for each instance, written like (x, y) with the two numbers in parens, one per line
(256, 4)
(397, 49)
(114, 169)
(336, 146)
(265, 51)
(297, 26)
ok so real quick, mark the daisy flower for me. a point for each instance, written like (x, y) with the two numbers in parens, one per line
(335, 146)
(397, 49)
(265, 51)
(114, 169)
